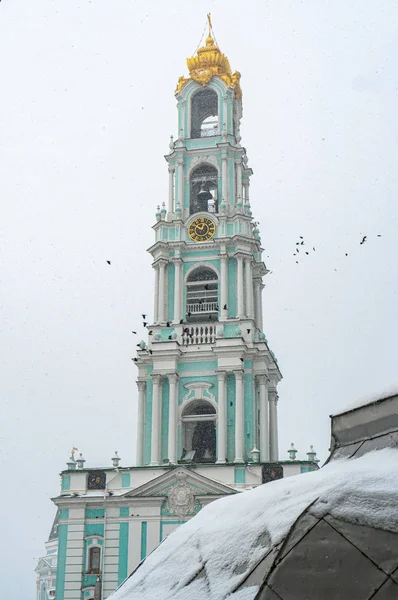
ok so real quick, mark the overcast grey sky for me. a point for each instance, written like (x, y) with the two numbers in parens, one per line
(87, 108)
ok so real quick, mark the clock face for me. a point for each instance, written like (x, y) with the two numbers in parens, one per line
(201, 229)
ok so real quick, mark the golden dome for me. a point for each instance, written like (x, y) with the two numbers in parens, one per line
(209, 62)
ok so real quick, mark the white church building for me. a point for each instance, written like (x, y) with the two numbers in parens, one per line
(207, 380)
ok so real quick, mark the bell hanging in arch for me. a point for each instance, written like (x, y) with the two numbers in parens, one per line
(203, 197)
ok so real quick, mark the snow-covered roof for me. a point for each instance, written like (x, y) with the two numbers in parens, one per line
(389, 391)
(213, 553)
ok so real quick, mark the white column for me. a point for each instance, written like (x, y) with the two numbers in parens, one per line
(224, 181)
(249, 287)
(247, 198)
(156, 305)
(181, 184)
(273, 424)
(225, 116)
(177, 290)
(171, 190)
(224, 287)
(183, 112)
(238, 168)
(264, 425)
(140, 423)
(258, 304)
(162, 267)
(239, 285)
(239, 418)
(156, 406)
(222, 419)
(172, 443)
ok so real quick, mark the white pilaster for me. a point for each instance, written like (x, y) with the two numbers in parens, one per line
(247, 186)
(264, 424)
(239, 285)
(249, 287)
(224, 287)
(177, 290)
(156, 303)
(156, 407)
(180, 194)
(224, 180)
(238, 169)
(273, 424)
(239, 418)
(162, 268)
(172, 442)
(140, 422)
(222, 419)
(171, 190)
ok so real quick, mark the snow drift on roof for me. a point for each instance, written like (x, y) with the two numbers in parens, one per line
(391, 390)
(228, 537)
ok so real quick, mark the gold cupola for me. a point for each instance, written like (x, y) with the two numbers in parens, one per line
(209, 62)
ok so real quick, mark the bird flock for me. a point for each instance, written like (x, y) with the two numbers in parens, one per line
(305, 252)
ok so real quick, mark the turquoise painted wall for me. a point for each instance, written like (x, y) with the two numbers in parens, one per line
(125, 480)
(197, 366)
(65, 486)
(165, 419)
(61, 560)
(123, 551)
(95, 513)
(94, 529)
(170, 294)
(231, 417)
(64, 513)
(148, 419)
(239, 475)
(232, 288)
(144, 530)
(124, 511)
(248, 382)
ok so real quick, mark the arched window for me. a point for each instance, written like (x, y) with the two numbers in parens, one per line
(202, 295)
(204, 114)
(203, 189)
(94, 559)
(199, 432)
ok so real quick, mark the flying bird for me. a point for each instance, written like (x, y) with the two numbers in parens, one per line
(313, 248)
(307, 252)
(150, 332)
(144, 317)
(225, 307)
(109, 262)
(135, 333)
(144, 324)
(363, 240)
(182, 321)
(379, 235)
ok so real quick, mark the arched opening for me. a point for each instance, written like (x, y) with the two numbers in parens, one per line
(94, 560)
(203, 189)
(204, 114)
(199, 432)
(202, 295)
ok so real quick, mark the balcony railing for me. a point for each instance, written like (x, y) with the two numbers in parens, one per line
(198, 308)
(199, 334)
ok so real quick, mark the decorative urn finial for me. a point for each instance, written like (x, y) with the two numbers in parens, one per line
(292, 452)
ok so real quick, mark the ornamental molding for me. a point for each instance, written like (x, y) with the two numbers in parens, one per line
(196, 265)
(180, 498)
(198, 160)
(198, 390)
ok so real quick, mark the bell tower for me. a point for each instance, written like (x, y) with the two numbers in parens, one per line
(207, 379)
